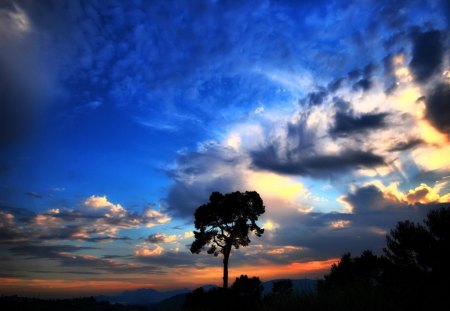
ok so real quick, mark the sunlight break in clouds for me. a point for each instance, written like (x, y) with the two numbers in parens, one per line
(423, 194)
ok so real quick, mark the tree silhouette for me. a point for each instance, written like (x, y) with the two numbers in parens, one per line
(248, 287)
(225, 222)
(422, 248)
(408, 246)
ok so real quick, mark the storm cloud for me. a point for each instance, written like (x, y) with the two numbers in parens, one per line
(438, 107)
(427, 54)
(316, 165)
(347, 124)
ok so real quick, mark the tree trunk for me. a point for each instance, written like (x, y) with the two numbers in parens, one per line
(226, 256)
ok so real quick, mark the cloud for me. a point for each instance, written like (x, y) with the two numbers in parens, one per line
(427, 54)
(158, 238)
(211, 168)
(316, 166)
(438, 107)
(101, 222)
(347, 124)
(147, 252)
(68, 256)
(45, 251)
(407, 145)
(372, 213)
(8, 228)
(422, 194)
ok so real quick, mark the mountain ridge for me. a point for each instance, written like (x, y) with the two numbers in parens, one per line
(149, 296)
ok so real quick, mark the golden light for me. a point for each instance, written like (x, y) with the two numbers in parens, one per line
(273, 185)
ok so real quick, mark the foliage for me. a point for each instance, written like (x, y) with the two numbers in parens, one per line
(244, 294)
(225, 222)
(248, 287)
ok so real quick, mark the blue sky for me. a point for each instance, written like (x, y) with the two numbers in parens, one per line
(119, 118)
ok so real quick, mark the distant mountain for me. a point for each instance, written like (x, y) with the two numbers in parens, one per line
(173, 303)
(145, 296)
(165, 300)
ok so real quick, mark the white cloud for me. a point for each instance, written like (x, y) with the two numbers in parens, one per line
(149, 252)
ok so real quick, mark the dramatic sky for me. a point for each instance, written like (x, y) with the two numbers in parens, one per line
(119, 118)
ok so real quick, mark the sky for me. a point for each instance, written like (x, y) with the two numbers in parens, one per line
(119, 118)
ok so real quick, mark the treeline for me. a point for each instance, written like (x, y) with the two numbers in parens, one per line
(412, 274)
(15, 303)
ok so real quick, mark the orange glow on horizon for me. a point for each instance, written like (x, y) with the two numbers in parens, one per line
(190, 277)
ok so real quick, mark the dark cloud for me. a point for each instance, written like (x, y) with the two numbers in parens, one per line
(372, 207)
(362, 84)
(155, 238)
(105, 239)
(368, 198)
(341, 104)
(199, 173)
(8, 229)
(316, 165)
(354, 74)
(335, 85)
(45, 251)
(324, 235)
(369, 70)
(402, 146)
(438, 107)
(347, 124)
(317, 98)
(427, 54)
(69, 256)
(364, 77)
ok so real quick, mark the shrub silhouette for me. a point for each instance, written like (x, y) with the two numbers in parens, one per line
(248, 287)
(244, 294)
(225, 222)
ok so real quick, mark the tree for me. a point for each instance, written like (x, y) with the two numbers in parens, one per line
(225, 222)
(408, 246)
(362, 272)
(423, 248)
(248, 287)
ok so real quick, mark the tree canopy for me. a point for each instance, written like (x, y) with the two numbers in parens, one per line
(226, 222)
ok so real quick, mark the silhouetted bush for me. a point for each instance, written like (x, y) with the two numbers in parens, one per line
(244, 294)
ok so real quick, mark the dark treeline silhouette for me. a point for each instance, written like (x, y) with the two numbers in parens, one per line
(15, 303)
(244, 294)
(413, 273)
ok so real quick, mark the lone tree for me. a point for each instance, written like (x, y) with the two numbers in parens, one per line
(226, 221)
